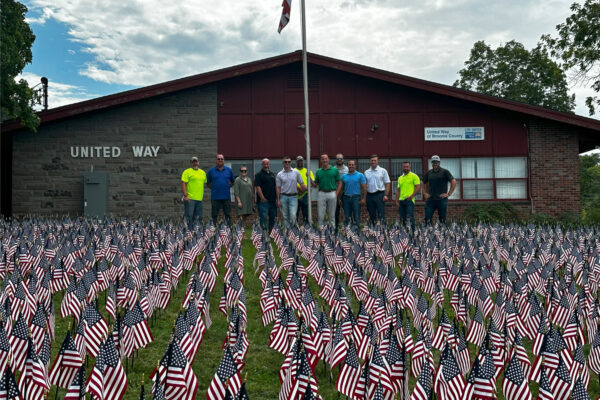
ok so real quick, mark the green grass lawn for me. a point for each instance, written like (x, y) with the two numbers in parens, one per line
(262, 363)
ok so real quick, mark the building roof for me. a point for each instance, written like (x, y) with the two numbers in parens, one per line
(146, 92)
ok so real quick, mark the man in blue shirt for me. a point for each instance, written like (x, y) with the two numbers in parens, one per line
(219, 179)
(355, 193)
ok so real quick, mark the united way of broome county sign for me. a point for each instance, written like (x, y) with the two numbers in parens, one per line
(457, 133)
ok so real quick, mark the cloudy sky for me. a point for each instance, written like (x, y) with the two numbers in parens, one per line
(90, 48)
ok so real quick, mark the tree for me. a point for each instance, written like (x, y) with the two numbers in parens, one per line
(16, 98)
(589, 182)
(578, 46)
(514, 73)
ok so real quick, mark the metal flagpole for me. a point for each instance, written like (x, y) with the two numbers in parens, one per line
(306, 113)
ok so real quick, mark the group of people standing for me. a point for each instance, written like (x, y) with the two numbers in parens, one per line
(340, 186)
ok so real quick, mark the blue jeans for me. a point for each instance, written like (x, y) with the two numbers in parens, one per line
(441, 205)
(289, 208)
(192, 211)
(407, 211)
(376, 206)
(267, 208)
(352, 209)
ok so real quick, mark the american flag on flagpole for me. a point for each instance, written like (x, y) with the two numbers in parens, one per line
(285, 14)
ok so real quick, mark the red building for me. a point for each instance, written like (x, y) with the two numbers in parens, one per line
(526, 155)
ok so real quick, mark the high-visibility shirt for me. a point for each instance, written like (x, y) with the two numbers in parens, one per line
(304, 178)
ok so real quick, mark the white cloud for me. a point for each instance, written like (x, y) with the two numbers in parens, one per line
(59, 94)
(144, 42)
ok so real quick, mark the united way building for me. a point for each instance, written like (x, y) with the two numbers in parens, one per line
(128, 149)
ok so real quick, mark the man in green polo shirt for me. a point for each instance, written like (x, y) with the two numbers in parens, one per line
(409, 186)
(329, 183)
(192, 185)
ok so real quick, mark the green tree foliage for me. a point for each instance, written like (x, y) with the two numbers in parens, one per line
(15, 47)
(578, 46)
(589, 181)
(515, 73)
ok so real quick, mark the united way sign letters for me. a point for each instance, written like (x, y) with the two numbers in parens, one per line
(457, 133)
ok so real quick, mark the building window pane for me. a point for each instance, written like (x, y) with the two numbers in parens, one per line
(477, 168)
(480, 189)
(452, 165)
(416, 166)
(511, 167)
(364, 164)
(235, 165)
(511, 189)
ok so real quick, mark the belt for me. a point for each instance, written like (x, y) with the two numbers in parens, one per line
(287, 194)
(327, 191)
(377, 192)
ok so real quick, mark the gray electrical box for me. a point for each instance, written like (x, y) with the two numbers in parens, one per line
(95, 194)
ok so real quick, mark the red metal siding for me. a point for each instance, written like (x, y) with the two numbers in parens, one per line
(294, 136)
(406, 134)
(374, 141)
(268, 93)
(259, 114)
(510, 136)
(234, 96)
(338, 134)
(267, 136)
(235, 134)
(371, 95)
(337, 92)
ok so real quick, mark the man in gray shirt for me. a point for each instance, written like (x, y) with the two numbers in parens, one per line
(287, 182)
(339, 164)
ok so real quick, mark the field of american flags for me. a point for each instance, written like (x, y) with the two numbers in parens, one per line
(262, 364)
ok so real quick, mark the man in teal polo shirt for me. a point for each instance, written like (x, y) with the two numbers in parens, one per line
(328, 180)
(409, 186)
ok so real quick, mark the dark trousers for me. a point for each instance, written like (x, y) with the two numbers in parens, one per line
(352, 209)
(221, 204)
(267, 208)
(339, 207)
(303, 208)
(376, 206)
(441, 205)
(407, 212)
(193, 212)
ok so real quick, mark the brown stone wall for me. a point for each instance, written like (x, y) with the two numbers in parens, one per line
(48, 180)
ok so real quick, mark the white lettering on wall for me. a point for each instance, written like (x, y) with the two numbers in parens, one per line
(112, 151)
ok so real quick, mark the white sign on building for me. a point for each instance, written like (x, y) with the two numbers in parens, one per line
(456, 133)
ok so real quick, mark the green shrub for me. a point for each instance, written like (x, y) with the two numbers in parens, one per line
(491, 212)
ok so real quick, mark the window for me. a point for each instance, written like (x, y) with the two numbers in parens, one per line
(511, 167)
(474, 169)
(511, 189)
(486, 178)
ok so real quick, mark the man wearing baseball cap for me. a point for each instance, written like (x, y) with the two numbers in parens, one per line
(303, 196)
(436, 191)
(192, 185)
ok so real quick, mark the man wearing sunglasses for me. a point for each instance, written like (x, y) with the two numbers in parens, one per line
(219, 179)
(192, 185)
(287, 181)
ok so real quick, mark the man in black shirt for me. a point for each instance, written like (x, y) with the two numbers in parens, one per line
(436, 191)
(266, 196)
